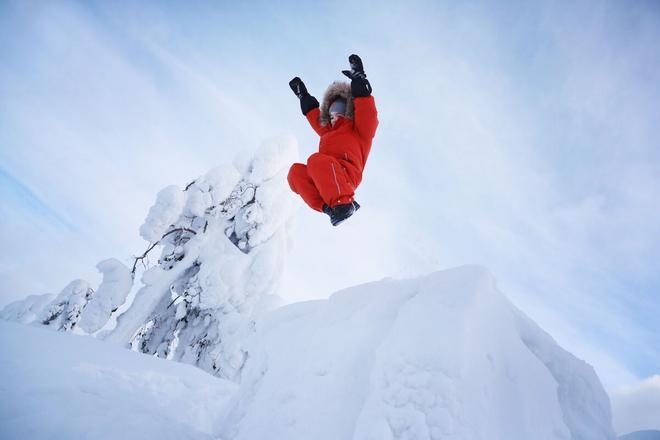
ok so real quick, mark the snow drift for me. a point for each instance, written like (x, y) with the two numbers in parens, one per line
(61, 386)
(441, 357)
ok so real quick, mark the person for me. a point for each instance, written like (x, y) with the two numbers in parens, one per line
(346, 122)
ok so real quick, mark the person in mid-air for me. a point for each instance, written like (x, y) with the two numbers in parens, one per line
(346, 121)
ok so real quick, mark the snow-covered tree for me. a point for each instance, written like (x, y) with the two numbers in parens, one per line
(223, 239)
(77, 307)
(64, 312)
(115, 287)
(26, 310)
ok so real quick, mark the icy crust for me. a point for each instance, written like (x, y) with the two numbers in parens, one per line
(197, 304)
(60, 386)
(442, 357)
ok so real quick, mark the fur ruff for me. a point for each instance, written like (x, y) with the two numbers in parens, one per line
(338, 89)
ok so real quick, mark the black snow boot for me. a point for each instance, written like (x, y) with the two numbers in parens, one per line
(340, 213)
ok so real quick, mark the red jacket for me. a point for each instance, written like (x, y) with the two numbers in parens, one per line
(349, 140)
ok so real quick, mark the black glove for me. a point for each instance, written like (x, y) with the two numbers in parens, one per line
(298, 87)
(360, 86)
(307, 101)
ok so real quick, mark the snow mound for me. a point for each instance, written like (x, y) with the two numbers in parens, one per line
(442, 357)
(56, 385)
(26, 310)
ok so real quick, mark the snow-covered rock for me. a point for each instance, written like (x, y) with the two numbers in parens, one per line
(441, 357)
(62, 386)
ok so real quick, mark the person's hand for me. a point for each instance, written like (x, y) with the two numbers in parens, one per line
(298, 87)
(357, 70)
(360, 86)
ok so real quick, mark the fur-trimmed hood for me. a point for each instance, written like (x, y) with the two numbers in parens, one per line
(338, 89)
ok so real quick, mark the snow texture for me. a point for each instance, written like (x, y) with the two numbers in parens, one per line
(62, 386)
(112, 293)
(64, 312)
(442, 357)
(26, 310)
(198, 304)
(168, 206)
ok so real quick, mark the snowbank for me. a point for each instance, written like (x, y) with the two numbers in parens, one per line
(441, 357)
(26, 310)
(56, 385)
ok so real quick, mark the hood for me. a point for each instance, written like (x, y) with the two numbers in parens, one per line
(338, 89)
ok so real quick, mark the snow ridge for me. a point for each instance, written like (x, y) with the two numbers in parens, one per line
(442, 357)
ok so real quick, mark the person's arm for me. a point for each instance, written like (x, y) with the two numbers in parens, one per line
(308, 104)
(366, 116)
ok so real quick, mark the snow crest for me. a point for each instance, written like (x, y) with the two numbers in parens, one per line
(442, 357)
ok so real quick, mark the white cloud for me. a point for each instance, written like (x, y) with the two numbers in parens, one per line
(637, 407)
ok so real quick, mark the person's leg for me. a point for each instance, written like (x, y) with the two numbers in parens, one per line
(331, 179)
(303, 185)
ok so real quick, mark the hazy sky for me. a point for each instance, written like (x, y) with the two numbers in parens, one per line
(521, 137)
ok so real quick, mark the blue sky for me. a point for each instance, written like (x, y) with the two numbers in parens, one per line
(521, 137)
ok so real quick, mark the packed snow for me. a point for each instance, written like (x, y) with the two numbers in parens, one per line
(62, 386)
(112, 293)
(28, 309)
(441, 357)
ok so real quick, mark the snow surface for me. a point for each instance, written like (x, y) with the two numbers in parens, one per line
(441, 357)
(62, 386)
(64, 312)
(26, 310)
(115, 287)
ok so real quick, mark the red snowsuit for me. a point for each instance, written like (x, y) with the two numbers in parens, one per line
(332, 175)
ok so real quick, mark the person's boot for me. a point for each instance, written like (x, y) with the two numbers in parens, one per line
(341, 213)
(328, 210)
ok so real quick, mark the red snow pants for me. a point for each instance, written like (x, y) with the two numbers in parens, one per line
(324, 180)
